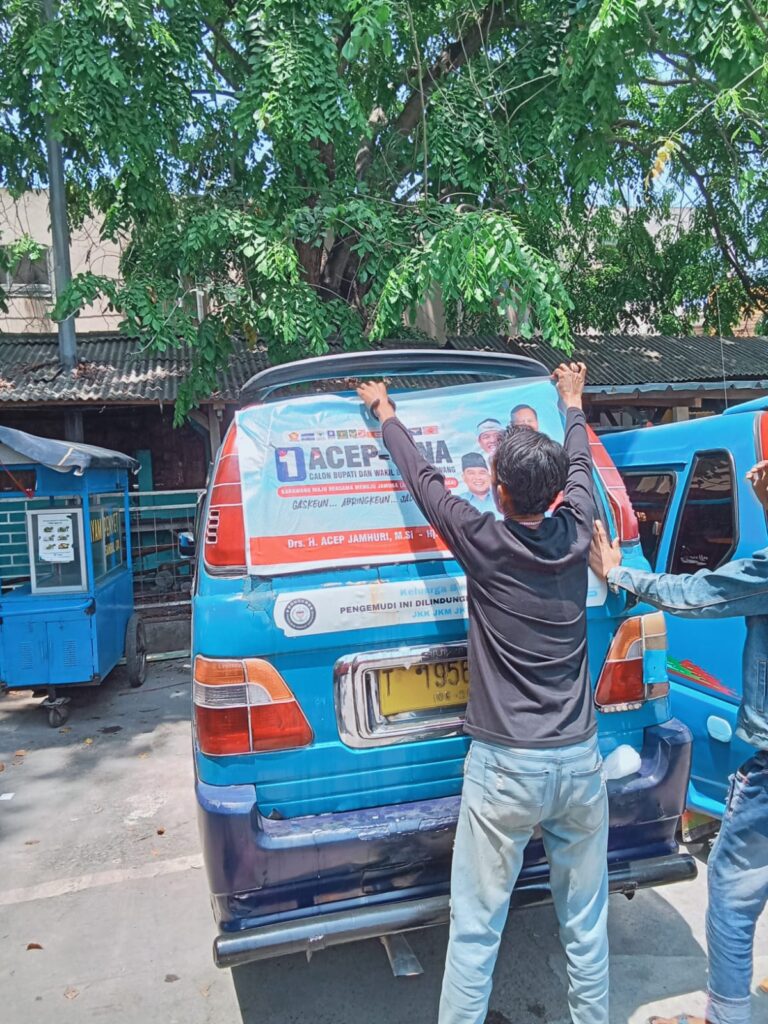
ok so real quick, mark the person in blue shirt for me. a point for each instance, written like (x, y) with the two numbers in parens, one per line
(477, 480)
(737, 873)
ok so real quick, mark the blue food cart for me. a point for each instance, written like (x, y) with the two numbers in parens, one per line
(66, 589)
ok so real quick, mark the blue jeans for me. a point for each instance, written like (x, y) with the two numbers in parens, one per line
(738, 889)
(507, 793)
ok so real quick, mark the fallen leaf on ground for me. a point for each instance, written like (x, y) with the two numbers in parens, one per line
(205, 990)
(161, 831)
(31, 842)
(87, 741)
(71, 993)
(19, 753)
(171, 977)
(34, 945)
(763, 986)
(2, 767)
(144, 753)
(66, 728)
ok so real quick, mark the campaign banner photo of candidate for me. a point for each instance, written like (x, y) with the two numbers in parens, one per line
(319, 487)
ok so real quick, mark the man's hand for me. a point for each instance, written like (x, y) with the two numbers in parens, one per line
(570, 378)
(374, 394)
(758, 477)
(603, 555)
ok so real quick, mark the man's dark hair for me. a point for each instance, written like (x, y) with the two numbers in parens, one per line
(532, 467)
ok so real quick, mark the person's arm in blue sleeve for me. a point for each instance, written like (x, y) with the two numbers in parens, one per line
(737, 588)
(446, 512)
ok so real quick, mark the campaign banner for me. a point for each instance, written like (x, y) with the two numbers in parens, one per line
(320, 489)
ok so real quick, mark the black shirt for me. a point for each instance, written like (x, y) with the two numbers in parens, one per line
(527, 594)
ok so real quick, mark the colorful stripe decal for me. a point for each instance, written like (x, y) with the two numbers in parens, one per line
(690, 673)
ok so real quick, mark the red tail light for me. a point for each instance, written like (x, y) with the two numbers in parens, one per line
(624, 684)
(245, 706)
(626, 520)
(224, 540)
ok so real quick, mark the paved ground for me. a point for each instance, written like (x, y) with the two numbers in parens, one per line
(100, 865)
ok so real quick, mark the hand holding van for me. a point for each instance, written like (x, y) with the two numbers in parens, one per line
(758, 477)
(604, 555)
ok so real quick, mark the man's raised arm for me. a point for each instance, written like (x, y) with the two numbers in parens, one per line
(446, 512)
(579, 493)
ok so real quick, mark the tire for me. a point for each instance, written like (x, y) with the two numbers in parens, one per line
(136, 651)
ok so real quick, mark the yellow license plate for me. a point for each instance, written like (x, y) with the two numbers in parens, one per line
(423, 687)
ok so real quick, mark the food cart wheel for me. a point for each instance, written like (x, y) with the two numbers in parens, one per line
(136, 650)
(57, 709)
(57, 716)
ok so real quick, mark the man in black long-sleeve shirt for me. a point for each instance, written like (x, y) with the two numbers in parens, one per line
(534, 759)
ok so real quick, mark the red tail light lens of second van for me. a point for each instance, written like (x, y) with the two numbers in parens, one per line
(623, 685)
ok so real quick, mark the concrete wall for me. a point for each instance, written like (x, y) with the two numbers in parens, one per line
(29, 216)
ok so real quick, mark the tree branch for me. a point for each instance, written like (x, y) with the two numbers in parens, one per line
(726, 246)
(222, 41)
(492, 18)
(666, 83)
(337, 262)
(757, 16)
(218, 68)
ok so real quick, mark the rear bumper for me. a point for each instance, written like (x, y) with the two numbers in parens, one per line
(267, 875)
(336, 927)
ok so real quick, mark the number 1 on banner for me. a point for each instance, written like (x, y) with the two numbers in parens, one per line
(290, 464)
(288, 459)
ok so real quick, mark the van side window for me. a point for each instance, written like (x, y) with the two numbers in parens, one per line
(706, 532)
(650, 494)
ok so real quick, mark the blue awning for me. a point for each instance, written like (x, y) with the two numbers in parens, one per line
(59, 455)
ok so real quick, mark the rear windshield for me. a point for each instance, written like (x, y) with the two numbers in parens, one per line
(319, 488)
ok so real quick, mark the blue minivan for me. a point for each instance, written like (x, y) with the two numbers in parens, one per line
(329, 647)
(696, 511)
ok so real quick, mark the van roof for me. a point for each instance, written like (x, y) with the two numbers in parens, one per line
(399, 362)
(754, 406)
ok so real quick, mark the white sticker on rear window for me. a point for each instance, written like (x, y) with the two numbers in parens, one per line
(379, 605)
(366, 606)
(319, 488)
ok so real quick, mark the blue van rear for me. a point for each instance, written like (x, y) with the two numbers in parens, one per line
(329, 687)
(688, 484)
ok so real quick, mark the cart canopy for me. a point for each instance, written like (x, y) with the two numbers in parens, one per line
(17, 447)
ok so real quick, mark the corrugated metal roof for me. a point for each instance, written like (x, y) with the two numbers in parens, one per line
(113, 368)
(639, 360)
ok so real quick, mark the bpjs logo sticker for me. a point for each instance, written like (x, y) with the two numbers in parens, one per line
(300, 613)
(291, 466)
